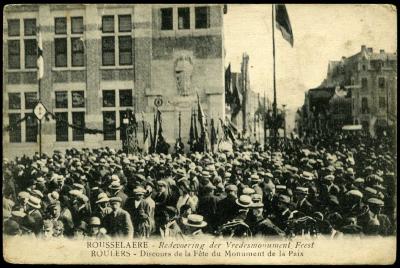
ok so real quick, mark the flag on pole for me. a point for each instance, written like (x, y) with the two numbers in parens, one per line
(201, 115)
(39, 62)
(213, 135)
(283, 23)
(191, 132)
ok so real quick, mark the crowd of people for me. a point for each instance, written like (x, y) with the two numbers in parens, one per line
(326, 186)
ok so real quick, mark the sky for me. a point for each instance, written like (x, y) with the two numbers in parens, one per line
(322, 32)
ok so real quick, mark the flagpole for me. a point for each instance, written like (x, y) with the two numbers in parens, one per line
(39, 43)
(274, 128)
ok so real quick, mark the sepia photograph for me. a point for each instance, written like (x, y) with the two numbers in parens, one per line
(199, 133)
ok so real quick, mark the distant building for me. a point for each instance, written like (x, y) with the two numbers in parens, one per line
(102, 59)
(371, 82)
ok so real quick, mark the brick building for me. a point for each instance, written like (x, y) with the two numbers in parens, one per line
(100, 60)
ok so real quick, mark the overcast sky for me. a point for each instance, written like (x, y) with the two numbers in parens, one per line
(321, 33)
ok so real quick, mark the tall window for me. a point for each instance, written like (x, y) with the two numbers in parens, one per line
(364, 106)
(15, 131)
(62, 126)
(31, 128)
(14, 101)
(381, 82)
(382, 102)
(78, 119)
(69, 37)
(61, 52)
(109, 127)
(364, 83)
(166, 19)
(202, 17)
(183, 18)
(30, 100)
(30, 53)
(22, 41)
(125, 98)
(61, 99)
(20, 105)
(108, 98)
(116, 35)
(115, 104)
(70, 105)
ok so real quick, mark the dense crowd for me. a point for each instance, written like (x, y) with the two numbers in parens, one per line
(322, 186)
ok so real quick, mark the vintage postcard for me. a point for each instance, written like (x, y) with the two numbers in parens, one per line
(199, 133)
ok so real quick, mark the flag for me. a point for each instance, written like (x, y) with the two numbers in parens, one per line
(213, 135)
(39, 62)
(196, 134)
(228, 78)
(283, 22)
(201, 115)
(204, 141)
(145, 148)
(191, 132)
(236, 102)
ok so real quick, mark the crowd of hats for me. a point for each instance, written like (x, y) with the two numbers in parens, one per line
(335, 177)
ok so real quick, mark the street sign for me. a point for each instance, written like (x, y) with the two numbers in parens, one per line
(158, 101)
(40, 111)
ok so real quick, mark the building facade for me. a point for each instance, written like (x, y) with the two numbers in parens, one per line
(101, 60)
(370, 79)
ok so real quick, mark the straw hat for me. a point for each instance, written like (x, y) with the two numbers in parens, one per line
(194, 220)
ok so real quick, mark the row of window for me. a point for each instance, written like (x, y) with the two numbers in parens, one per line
(365, 107)
(62, 133)
(76, 25)
(201, 14)
(69, 38)
(381, 83)
(77, 99)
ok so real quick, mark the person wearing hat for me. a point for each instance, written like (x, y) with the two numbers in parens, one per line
(374, 222)
(140, 211)
(194, 224)
(102, 206)
(115, 189)
(148, 197)
(208, 206)
(57, 213)
(167, 227)
(237, 227)
(227, 207)
(301, 202)
(22, 201)
(118, 223)
(185, 196)
(58, 184)
(94, 229)
(260, 225)
(34, 215)
(80, 209)
(283, 213)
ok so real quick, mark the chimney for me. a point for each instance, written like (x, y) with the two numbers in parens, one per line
(382, 51)
(370, 50)
(363, 47)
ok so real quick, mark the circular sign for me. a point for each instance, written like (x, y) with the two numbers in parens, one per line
(158, 101)
(40, 111)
